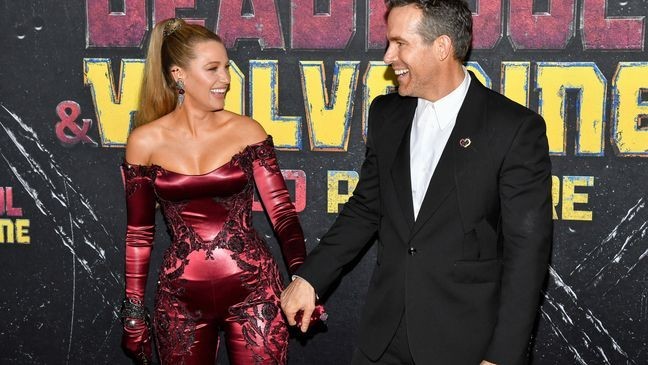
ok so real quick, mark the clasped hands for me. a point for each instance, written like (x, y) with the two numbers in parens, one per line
(298, 302)
(300, 296)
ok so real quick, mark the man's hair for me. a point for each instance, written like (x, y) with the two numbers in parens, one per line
(443, 17)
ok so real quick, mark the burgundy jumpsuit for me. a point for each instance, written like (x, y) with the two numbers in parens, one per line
(218, 273)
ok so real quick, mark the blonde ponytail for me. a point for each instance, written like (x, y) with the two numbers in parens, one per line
(171, 44)
(157, 98)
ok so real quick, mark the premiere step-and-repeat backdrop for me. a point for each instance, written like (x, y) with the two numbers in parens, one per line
(307, 70)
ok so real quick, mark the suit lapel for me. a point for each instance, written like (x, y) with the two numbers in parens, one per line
(400, 168)
(441, 184)
(456, 158)
(472, 163)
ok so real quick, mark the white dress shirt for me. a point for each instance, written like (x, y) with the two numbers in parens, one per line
(431, 128)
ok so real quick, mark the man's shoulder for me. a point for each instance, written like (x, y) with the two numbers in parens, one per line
(390, 109)
(501, 108)
(390, 100)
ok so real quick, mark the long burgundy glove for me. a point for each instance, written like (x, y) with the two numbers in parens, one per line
(276, 201)
(285, 222)
(140, 208)
(137, 337)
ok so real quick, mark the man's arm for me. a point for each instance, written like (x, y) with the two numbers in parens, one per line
(355, 226)
(527, 227)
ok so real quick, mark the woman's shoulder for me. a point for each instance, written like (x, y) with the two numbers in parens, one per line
(143, 140)
(248, 131)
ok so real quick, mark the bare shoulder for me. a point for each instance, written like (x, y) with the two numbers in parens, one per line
(248, 130)
(142, 141)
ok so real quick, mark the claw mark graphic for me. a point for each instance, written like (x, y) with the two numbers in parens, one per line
(615, 259)
(67, 210)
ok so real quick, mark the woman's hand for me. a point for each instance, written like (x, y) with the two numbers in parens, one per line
(137, 341)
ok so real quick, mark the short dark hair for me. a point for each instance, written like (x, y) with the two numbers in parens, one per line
(443, 17)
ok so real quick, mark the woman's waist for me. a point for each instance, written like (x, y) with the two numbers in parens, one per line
(189, 239)
(209, 229)
(198, 261)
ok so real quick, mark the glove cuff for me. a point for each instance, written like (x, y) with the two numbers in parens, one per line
(131, 310)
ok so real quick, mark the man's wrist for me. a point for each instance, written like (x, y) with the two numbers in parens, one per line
(295, 277)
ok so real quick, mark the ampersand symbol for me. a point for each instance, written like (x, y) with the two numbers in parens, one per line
(68, 111)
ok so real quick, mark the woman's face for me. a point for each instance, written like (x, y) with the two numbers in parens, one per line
(206, 77)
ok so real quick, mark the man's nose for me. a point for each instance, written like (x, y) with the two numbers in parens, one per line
(389, 56)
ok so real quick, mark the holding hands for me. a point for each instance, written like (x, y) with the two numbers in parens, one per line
(298, 304)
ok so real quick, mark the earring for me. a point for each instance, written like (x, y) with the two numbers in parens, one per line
(181, 91)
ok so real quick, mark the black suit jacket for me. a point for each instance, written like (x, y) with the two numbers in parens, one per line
(467, 273)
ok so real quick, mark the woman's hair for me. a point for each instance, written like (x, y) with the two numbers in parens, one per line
(172, 44)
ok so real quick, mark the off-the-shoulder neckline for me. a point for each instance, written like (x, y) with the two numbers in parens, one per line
(268, 139)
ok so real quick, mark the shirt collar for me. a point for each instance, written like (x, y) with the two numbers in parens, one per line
(447, 108)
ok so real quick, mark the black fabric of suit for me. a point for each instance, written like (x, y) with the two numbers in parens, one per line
(468, 271)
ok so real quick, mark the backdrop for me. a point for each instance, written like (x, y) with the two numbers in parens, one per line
(307, 70)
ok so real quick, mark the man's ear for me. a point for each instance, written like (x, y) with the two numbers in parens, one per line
(443, 47)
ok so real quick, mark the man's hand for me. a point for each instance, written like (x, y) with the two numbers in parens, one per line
(484, 362)
(298, 296)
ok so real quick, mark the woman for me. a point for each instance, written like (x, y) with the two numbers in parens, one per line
(200, 163)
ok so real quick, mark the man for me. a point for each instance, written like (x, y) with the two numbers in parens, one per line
(456, 184)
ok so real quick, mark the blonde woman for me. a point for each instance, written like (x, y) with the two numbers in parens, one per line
(201, 164)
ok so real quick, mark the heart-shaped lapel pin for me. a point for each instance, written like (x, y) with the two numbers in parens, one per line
(465, 142)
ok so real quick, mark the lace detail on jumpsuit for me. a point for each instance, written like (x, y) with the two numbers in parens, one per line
(250, 253)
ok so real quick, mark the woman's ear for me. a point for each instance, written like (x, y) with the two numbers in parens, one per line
(177, 73)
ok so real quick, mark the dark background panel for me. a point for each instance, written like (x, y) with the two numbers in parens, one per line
(60, 291)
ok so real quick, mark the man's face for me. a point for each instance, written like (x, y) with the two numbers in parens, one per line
(411, 57)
